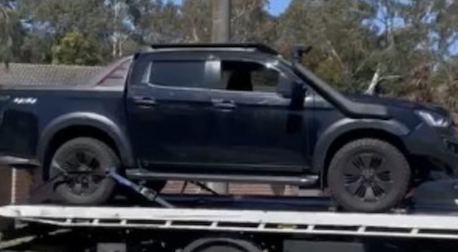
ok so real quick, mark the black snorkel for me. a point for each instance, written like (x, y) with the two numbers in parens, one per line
(298, 52)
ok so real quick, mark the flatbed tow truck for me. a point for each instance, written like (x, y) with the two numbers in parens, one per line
(303, 133)
(225, 224)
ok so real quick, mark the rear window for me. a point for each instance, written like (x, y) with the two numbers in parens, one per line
(177, 73)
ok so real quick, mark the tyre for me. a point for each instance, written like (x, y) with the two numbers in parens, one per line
(86, 160)
(368, 175)
(221, 245)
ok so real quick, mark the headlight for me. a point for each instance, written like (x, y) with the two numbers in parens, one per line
(434, 119)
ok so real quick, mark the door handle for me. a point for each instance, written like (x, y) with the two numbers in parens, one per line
(223, 104)
(145, 101)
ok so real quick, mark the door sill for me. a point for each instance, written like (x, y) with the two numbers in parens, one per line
(140, 174)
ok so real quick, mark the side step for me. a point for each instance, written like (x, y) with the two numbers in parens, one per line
(138, 174)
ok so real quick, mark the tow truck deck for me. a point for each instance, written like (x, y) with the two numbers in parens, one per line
(222, 227)
(248, 221)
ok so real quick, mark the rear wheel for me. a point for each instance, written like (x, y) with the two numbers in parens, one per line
(85, 162)
(368, 175)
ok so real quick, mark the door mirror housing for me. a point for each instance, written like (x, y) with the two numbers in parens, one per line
(285, 87)
(294, 90)
(297, 95)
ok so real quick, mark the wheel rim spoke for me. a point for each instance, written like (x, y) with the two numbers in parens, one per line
(368, 177)
(354, 187)
(384, 184)
(354, 168)
(91, 185)
(81, 157)
(93, 163)
(82, 167)
(77, 188)
(383, 172)
(366, 160)
(358, 163)
(369, 194)
(71, 164)
(376, 163)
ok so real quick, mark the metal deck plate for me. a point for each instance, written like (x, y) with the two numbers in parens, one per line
(382, 225)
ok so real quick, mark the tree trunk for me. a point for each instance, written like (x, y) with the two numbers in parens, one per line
(374, 82)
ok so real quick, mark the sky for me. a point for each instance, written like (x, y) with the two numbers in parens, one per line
(275, 6)
(278, 6)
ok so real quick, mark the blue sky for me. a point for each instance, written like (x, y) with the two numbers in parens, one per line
(276, 6)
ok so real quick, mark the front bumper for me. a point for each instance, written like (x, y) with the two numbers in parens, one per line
(442, 150)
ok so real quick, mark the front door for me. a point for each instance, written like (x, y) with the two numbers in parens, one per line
(257, 131)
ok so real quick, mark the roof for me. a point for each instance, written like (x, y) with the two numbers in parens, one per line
(41, 74)
(212, 46)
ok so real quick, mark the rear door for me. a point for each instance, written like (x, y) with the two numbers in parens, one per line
(169, 107)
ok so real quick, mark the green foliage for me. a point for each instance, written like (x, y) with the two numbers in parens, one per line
(343, 48)
(6, 40)
(407, 46)
(196, 21)
(10, 33)
(76, 49)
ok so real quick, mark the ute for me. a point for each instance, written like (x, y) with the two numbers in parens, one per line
(224, 112)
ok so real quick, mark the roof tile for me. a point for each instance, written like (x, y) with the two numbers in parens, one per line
(40, 74)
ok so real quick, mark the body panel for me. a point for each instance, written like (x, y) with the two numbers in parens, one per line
(27, 128)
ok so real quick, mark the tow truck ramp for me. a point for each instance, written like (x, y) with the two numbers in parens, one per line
(249, 221)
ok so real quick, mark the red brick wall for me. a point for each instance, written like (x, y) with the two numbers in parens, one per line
(234, 188)
(21, 185)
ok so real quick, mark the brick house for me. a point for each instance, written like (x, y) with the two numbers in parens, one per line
(41, 74)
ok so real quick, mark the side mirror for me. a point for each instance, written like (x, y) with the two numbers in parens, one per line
(297, 95)
(285, 87)
(291, 90)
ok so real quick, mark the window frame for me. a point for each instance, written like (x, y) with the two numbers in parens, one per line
(199, 63)
(142, 61)
(213, 66)
(273, 64)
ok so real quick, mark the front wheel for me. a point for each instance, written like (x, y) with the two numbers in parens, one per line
(85, 162)
(368, 175)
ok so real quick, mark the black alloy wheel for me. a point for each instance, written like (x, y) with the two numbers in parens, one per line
(368, 175)
(83, 164)
(85, 173)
